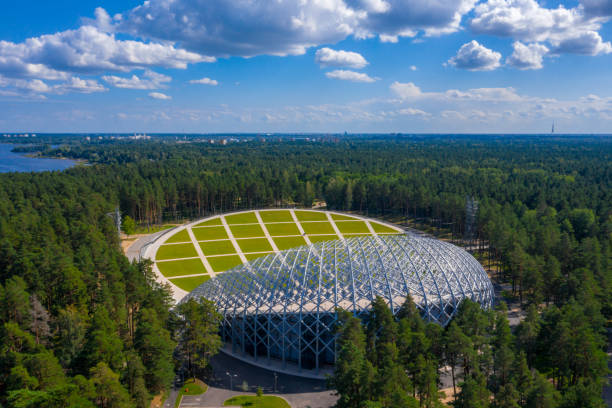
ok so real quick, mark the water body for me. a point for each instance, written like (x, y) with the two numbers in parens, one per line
(12, 162)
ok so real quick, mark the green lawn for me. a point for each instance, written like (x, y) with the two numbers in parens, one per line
(190, 387)
(174, 251)
(357, 235)
(341, 217)
(182, 267)
(217, 247)
(289, 242)
(318, 228)
(254, 245)
(310, 215)
(244, 218)
(190, 283)
(181, 236)
(251, 257)
(253, 401)
(206, 233)
(223, 263)
(352, 227)
(276, 216)
(383, 228)
(214, 221)
(319, 238)
(247, 231)
(282, 229)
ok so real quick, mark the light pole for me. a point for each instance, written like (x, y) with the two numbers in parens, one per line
(231, 377)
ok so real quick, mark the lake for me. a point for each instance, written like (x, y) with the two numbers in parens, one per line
(10, 162)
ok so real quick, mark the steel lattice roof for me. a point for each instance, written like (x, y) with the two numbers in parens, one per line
(275, 300)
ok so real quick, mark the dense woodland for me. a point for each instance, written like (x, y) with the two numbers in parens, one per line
(81, 325)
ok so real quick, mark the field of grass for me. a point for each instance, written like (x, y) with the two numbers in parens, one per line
(223, 263)
(143, 229)
(181, 236)
(276, 216)
(190, 283)
(243, 218)
(213, 221)
(183, 267)
(175, 251)
(318, 228)
(310, 216)
(247, 231)
(289, 242)
(217, 247)
(340, 217)
(282, 229)
(207, 233)
(254, 245)
(320, 238)
(251, 257)
(221, 254)
(380, 228)
(253, 401)
(352, 227)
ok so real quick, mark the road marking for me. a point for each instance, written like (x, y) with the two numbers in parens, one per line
(194, 241)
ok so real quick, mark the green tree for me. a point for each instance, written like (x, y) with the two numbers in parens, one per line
(199, 333)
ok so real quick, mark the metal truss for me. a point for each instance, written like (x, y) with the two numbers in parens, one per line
(282, 306)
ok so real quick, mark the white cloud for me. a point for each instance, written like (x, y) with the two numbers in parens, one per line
(406, 90)
(149, 80)
(413, 68)
(37, 87)
(205, 81)
(567, 30)
(527, 56)
(350, 76)
(326, 57)
(76, 84)
(475, 57)
(286, 27)
(159, 95)
(87, 50)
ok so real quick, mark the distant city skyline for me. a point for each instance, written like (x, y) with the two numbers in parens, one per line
(375, 66)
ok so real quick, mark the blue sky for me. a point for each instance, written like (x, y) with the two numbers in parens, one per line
(306, 66)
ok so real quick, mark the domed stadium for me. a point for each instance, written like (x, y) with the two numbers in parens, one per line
(280, 309)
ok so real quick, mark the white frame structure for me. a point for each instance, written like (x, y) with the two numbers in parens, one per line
(281, 308)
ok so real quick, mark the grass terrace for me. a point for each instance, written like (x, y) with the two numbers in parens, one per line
(187, 268)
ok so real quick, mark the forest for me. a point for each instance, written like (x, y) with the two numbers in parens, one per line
(81, 325)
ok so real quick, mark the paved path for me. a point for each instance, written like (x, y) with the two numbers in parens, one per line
(133, 251)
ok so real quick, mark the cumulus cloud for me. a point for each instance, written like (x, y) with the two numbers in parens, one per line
(475, 57)
(326, 57)
(410, 91)
(159, 95)
(205, 81)
(88, 50)
(527, 56)
(568, 30)
(32, 87)
(350, 76)
(149, 80)
(286, 27)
